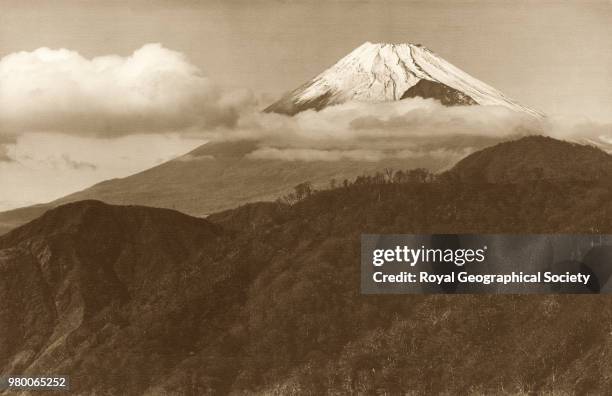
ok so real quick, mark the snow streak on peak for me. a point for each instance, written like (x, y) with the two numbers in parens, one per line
(379, 72)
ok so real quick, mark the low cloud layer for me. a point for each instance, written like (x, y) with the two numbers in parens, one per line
(153, 90)
(411, 128)
(580, 130)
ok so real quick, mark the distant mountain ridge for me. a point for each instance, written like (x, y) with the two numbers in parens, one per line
(535, 158)
(219, 176)
(382, 72)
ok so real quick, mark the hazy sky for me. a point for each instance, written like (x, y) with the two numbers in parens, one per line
(552, 55)
(112, 102)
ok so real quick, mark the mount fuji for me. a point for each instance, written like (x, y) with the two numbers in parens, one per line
(382, 72)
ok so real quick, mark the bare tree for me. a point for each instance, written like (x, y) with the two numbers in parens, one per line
(388, 175)
(303, 190)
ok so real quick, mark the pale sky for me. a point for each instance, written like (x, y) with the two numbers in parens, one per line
(113, 102)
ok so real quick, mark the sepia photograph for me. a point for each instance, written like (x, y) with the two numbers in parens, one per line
(305, 197)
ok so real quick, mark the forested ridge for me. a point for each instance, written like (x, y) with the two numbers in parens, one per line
(265, 298)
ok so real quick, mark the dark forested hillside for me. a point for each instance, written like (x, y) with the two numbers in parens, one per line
(535, 158)
(265, 298)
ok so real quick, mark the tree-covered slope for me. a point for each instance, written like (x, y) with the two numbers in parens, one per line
(265, 298)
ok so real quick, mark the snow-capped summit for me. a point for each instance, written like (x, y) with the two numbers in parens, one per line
(380, 72)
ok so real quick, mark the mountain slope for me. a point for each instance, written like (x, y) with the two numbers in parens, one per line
(218, 176)
(381, 72)
(64, 273)
(265, 298)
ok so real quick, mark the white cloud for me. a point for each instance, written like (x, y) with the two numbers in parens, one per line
(153, 90)
(580, 130)
(374, 131)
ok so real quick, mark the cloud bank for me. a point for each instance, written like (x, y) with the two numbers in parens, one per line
(152, 90)
(411, 128)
